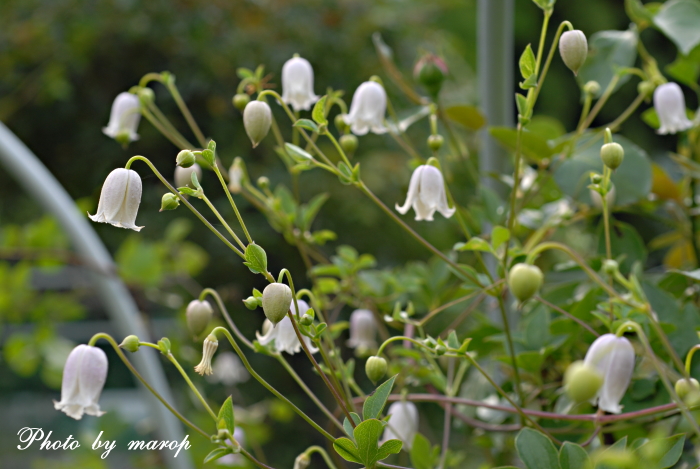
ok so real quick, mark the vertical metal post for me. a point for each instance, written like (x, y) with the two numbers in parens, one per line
(495, 75)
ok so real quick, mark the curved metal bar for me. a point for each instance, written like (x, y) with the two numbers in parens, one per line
(30, 172)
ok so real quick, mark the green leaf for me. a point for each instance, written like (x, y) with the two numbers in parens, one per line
(298, 154)
(609, 51)
(307, 124)
(536, 450)
(527, 62)
(310, 210)
(530, 82)
(693, 274)
(452, 340)
(374, 404)
(499, 235)
(319, 112)
(366, 450)
(572, 456)
(189, 191)
(423, 456)
(195, 181)
(216, 454)
(521, 103)
(632, 179)
(208, 156)
(226, 416)
(661, 453)
(468, 116)
(347, 450)
(534, 147)
(637, 13)
(346, 175)
(256, 259)
(474, 244)
(686, 69)
(678, 20)
(164, 345)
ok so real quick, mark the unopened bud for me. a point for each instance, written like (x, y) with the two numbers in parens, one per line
(573, 48)
(251, 303)
(237, 175)
(306, 320)
(375, 368)
(302, 461)
(263, 182)
(582, 382)
(169, 202)
(257, 118)
(130, 343)
(240, 101)
(146, 96)
(596, 178)
(276, 301)
(440, 350)
(646, 88)
(524, 280)
(610, 266)
(340, 124)
(198, 314)
(185, 159)
(348, 143)
(592, 88)
(687, 387)
(612, 155)
(431, 71)
(435, 142)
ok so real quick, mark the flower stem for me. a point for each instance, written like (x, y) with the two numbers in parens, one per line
(317, 449)
(174, 361)
(223, 222)
(170, 84)
(233, 204)
(224, 313)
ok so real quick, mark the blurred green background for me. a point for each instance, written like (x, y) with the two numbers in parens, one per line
(62, 62)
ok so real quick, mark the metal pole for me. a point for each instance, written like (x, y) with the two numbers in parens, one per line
(495, 75)
(28, 170)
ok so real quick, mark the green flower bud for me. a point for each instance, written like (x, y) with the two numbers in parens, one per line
(440, 349)
(686, 387)
(263, 182)
(573, 48)
(582, 382)
(276, 301)
(646, 88)
(340, 124)
(302, 461)
(146, 96)
(349, 143)
(596, 178)
(169, 202)
(306, 320)
(185, 159)
(431, 71)
(610, 266)
(251, 303)
(257, 118)
(375, 368)
(131, 343)
(612, 155)
(592, 88)
(198, 314)
(240, 101)
(435, 142)
(524, 280)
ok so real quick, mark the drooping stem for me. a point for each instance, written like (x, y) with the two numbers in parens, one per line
(223, 221)
(317, 449)
(194, 389)
(233, 204)
(224, 313)
(170, 84)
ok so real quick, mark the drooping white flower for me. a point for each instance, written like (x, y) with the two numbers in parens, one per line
(669, 103)
(284, 335)
(367, 109)
(228, 370)
(298, 84)
(120, 199)
(235, 459)
(124, 118)
(235, 175)
(403, 424)
(613, 358)
(426, 193)
(183, 176)
(363, 329)
(208, 349)
(84, 377)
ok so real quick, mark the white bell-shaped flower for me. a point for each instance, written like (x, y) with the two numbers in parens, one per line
(208, 350)
(283, 333)
(613, 357)
(367, 109)
(228, 370)
(426, 193)
(124, 118)
(403, 424)
(183, 176)
(84, 377)
(669, 103)
(120, 199)
(298, 84)
(363, 329)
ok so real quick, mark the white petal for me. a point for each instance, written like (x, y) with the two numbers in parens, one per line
(413, 187)
(113, 193)
(363, 328)
(403, 423)
(423, 212)
(124, 116)
(618, 376)
(669, 103)
(298, 84)
(367, 109)
(431, 184)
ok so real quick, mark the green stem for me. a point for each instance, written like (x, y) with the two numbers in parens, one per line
(553, 47)
(317, 449)
(223, 222)
(599, 105)
(167, 124)
(606, 211)
(224, 313)
(170, 84)
(511, 349)
(252, 459)
(172, 359)
(614, 125)
(161, 128)
(516, 181)
(689, 359)
(233, 204)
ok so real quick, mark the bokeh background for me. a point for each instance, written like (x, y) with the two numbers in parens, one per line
(62, 62)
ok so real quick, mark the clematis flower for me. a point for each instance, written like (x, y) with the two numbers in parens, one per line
(84, 377)
(403, 424)
(124, 118)
(367, 109)
(426, 193)
(208, 349)
(363, 328)
(298, 84)
(613, 358)
(669, 103)
(120, 199)
(283, 333)
(183, 176)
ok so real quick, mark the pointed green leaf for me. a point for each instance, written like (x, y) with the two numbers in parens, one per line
(256, 258)
(421, 453)
(195, 181)
(521, 103)
(661, 453)
(572, 456)
(298, 154)
(367, 436)
(347, 450)
(307, 124)
(536, 450)
(208, 156)
(527, 62)
(499, 235)
(374, 404)
(678, 20)
(226, 415)
(452, 340)
(319, 112)
(389, 447)
(216, 454)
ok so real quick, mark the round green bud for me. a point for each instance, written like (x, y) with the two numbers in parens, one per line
(306, 320)
(348, 143)
(612, 155)
(123, 138)
(524, 280)
(573, 48)
(276, 301)
(375, 368)
(130, 343)
(198, 314)
(430, 342)
(302, 461)
(185, 159)
(251, 303)
(263, 182)
(596, 178)
(169, 202)
(440, 349)
(340, 124)
(610, 267)
(435, 142)
(646, 88)
(431, 71)
(582, 382)
(146, 96)
(592, 88)
(686, 387)
(240, 101)
(257, 119)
